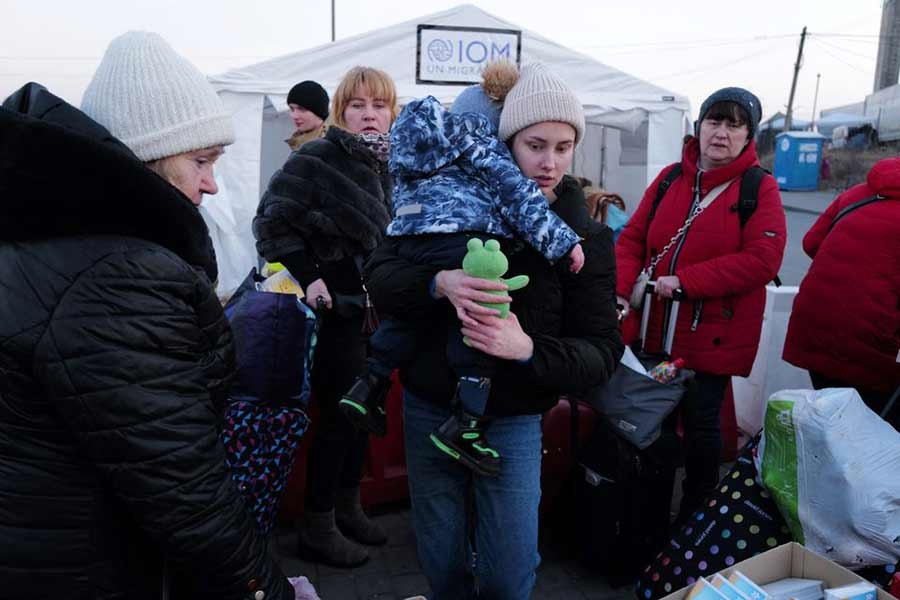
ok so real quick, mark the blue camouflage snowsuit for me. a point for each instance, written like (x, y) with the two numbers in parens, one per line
(454, 178)
(452, 174)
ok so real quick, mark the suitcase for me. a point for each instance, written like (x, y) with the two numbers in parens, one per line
(623, 498)
(565, 428)
(623, 493)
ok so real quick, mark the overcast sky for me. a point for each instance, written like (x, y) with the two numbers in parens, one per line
(692, 47)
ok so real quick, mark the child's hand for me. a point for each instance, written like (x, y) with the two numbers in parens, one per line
(576, 258)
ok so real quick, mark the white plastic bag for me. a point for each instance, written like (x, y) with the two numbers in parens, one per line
(833, 468)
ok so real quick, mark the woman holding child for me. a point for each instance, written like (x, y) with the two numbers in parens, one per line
(561, 335)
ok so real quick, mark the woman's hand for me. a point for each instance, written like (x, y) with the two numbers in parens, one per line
(317, 289)
(465, 292)
(503, 338)
(665, 286)
(576, 258)
(623, 306)
(303, 589)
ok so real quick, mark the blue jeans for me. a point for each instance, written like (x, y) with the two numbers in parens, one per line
(505, 508)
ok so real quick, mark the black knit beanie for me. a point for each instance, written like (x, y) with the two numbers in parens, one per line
(311, 96)
(743, 98)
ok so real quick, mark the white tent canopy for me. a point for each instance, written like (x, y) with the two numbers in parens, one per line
(634, 128)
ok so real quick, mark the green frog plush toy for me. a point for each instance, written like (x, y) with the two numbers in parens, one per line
(486, 261)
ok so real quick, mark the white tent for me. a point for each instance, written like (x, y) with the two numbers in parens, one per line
(634, 128)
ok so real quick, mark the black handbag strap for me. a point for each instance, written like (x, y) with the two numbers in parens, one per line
(851, 207)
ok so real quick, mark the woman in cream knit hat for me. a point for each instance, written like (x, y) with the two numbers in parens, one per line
(161, 107)
(561, 336)
(112, 396)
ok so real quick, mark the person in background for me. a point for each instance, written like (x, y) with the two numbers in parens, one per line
(561, 335)
(722, 267)
(308, 103)
(114, 352)
(321, 216)
(845, 322)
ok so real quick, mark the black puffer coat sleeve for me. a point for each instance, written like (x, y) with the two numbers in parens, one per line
(133, 359)
(397, 287)
(589, 350)
(281, 227)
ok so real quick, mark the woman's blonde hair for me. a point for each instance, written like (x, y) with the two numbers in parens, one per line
(377, 83)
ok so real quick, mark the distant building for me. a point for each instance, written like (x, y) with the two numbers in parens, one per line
(888, 66)
(856, 108)
(771, 127)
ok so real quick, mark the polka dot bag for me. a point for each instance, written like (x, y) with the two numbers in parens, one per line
(737, 522)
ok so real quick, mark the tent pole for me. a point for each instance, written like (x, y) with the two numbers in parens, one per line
(602, 156)
(332, 20)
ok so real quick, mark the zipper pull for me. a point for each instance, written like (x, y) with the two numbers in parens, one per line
(698, 309)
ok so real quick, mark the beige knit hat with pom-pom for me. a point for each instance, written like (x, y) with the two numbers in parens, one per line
(540, 96)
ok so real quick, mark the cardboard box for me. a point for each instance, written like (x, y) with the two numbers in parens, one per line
(789, 560)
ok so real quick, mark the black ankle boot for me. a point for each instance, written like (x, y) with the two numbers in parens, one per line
(363, 404)
(461, 438)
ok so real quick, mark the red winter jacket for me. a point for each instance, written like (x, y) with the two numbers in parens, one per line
(845, 323)
(723, 268)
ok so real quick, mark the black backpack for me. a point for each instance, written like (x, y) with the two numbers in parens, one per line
(747, 200)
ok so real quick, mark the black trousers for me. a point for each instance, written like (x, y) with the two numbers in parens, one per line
(700, 411)
(338, 451)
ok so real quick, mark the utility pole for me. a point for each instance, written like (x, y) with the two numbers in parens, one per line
(812, 125)
(790, 106)
(332, 20)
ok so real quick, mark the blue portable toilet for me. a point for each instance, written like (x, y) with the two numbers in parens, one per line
(798, 155)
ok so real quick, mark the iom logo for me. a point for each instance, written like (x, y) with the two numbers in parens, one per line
(440, 50)
(468, 51)
(456, 55)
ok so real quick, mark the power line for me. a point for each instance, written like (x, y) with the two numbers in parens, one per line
(841, 60)
(693, 43)
(711, 67)
(97, 58)
(691, 47)
(836, 47)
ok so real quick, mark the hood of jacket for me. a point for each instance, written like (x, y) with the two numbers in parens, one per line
(884, 178)
(427, 137)
(64, 175)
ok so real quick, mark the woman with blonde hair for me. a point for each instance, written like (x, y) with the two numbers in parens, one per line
(321, 216)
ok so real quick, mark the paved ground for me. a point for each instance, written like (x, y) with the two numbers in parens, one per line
(811, 202)
(393, 572)
(801, 209)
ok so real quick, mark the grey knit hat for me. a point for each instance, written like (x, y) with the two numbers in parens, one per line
(540, 96)
(474, 99)
(154, 100)
(743, 98)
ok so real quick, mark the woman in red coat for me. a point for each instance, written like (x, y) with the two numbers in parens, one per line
(845, 324)
(722, 267)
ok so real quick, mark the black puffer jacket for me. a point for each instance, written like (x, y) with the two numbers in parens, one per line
(571, 318)
(328, 204)
(114, 357)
